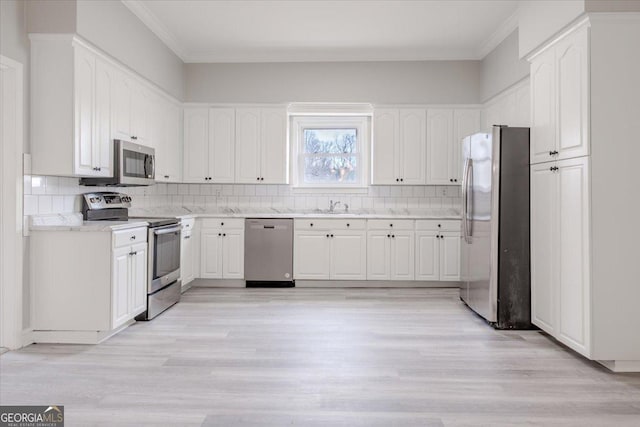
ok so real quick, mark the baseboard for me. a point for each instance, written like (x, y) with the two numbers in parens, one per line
(76, 337)
(621, 365)
(218, 283)
(27, 337)
(374, 284)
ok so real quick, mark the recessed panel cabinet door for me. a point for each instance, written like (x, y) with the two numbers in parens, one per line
(120, 286)
(248, 145)
(138, 265)
(273, 146)
(211, 254)
(222, 128)
(402, 255)
(85, 66)
(349, 255)
(544, 194)
(450, 256)
(103, 141)
(386, 149)
(311, 256)
(465, 123)
(413, 146)
(427, 256)
(543, 103)
(186, 259)
(233, 254)
(573, 95)
(573, 254)
(439, 136)
(378, 255)
(122, 95)
(196, 145)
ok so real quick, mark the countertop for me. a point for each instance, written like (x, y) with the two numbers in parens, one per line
(74, 222)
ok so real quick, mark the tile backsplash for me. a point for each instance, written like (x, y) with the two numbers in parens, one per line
(49, 194)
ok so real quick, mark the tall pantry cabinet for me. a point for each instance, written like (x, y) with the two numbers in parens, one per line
(584, 186)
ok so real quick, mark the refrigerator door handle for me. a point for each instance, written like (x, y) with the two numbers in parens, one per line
(465, 200)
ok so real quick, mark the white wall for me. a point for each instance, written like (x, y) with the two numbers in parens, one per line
(502, 68)
(426, 82)
(51, 16)
(115, 29)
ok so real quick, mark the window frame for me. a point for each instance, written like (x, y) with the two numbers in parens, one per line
(362, 124)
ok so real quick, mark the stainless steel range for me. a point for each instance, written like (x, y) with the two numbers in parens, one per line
(164, 237)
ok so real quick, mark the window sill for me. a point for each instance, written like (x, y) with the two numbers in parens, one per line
(325, 190)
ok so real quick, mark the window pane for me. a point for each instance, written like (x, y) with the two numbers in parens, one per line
(330, 170)
(334, 141)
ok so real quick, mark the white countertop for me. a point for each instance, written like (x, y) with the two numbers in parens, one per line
(74, 222)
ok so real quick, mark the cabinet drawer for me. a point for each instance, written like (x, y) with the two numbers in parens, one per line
(439, 225)
(129, 237)
(330, 224)
(228, 223)
(390, 224)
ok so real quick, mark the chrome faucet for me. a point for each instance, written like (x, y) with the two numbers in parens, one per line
(332, 205)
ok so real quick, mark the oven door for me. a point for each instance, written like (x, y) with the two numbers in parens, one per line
(137, 163)
(164, 256)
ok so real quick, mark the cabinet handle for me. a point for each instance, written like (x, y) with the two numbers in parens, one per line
(132, 253)
(134, 137)
(166, 176)
(132, 238)
(187, 237)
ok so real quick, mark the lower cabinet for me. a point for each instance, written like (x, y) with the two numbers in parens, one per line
(187, 252)
(437, 250)
(129, 288)
(390, 250)
(327, 249)
(222, 248)
(560, 262)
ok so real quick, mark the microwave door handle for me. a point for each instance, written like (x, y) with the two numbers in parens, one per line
(149, 167)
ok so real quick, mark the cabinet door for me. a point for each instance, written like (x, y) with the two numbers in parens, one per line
(233, 254)
(572, 65)
(544, 194)
(222, 128)
(186, 259)
(413, 146)
(385, 150)
(573, 259)
(543, 107)
(427, 256)
(248, 145)
(103, 142)
(84, 93)
(465, 123)
(141, 104)
(378, 255)
(122, 94)
(450, 256)
(169, 149)
(138, 274)
(196, 145)
(439, 136)
(211, 254)
(311, 257)
(349, 255)
(157, 133)
(402, 255)
(120, 277)
(273, 146)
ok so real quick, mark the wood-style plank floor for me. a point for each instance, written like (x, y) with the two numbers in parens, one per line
(320, 357)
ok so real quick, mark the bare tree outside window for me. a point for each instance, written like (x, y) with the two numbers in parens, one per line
(330, 155)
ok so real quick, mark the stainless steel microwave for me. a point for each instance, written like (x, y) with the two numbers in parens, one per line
(134, 165)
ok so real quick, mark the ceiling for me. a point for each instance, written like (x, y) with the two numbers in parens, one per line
(327, 30)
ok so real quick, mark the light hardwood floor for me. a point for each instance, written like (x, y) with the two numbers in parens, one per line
(320, 357)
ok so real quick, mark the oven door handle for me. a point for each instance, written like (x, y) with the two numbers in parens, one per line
(167, 230)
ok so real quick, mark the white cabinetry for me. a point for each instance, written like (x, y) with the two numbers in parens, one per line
(166, 132)
(209, 144)
(390, 250)
(87, 284)
(261, 145)
(560, 100)
(330, 249)
(560, 255)
(187, 252)
(398, 152)
(222, 248)
(438, 250)
(445, 130)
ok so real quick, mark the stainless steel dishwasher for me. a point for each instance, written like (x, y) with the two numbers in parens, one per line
(268, 252)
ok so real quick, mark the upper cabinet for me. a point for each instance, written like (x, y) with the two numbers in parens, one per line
(399, 143)
(261, 146)
(81, 101)
(560, 100)
(446, 128)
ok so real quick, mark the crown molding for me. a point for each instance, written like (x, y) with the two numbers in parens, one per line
(148, 18)
(498, 36)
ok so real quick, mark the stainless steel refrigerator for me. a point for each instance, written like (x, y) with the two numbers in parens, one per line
(495, 261)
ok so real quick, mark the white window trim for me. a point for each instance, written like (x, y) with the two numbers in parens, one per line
(361, 123)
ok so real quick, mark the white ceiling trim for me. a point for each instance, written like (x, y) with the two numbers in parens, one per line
(501, 33)
(148, 18)
(138, 8)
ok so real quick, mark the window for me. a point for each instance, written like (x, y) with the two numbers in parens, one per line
(330, 151)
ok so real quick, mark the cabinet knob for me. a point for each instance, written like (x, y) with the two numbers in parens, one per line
(332, 235)
(397, 179)
(134, 137)
(166, 176)
(261, 178)
(401, 179)
(219, 234)
(258, 179)
(132, 238)
(439, 225)
(311, 225)
(187, 237)
(222, 223)
(393, 236)
(348, 224)
(389, 235)
(327, 235)
(224, 234)
(390, 225)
